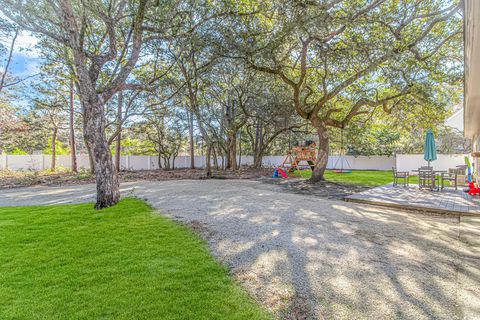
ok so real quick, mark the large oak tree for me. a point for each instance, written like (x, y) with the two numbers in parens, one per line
(345, 58)
(105, 39)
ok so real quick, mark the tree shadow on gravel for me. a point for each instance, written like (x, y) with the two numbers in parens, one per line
(323, 189)
(309, 258)
(305, 257)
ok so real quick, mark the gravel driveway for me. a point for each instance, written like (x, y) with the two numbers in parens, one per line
(305, 257)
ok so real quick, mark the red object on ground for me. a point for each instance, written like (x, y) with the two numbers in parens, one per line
(282, 173)
(473, 191)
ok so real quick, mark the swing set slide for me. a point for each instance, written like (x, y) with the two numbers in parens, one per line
(280, 172)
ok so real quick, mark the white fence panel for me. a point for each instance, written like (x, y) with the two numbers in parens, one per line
(371, 163)
(124, 162)
(403, 162)
(221, 161)
(153, 162)
(182, 162)
(246, 160)
(64, 161)
(83, 161)
(3, 158)
(138, 163)
(273, 161)
(25, 162)
(409, 162)
(361, 162)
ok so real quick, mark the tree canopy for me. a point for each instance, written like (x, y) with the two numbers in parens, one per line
(226, 77)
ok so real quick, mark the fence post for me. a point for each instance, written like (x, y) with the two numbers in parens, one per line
(149, 166)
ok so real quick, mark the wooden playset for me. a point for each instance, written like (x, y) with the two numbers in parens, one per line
(305, 153)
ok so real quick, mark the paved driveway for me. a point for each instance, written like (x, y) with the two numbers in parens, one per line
(307, 257)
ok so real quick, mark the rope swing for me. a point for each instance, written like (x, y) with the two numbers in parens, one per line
(342, 159)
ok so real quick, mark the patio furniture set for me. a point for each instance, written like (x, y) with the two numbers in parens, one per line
(428, 178)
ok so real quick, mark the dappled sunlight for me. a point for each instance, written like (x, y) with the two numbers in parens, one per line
(307, 242)
(234, 247)
(403, 249)
(47, 195)
(309, 214)
(270, 277)
(327, 258)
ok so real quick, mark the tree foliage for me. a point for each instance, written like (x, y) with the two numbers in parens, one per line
(250, 77)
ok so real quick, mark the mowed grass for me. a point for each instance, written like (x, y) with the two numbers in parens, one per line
(367, 178)
(124, 262)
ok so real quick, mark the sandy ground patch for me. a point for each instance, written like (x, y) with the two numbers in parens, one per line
(306, 257)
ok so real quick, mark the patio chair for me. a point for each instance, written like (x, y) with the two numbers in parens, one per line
(426, 178)
(400, 175)
(461, 175)
(451, 176)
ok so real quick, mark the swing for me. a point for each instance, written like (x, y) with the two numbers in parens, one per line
(342, 159)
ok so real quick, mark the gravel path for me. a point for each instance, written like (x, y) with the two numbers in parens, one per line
(305, 257)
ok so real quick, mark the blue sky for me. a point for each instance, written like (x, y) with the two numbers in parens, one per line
(25, 53)
(26, 59)
(24, 65)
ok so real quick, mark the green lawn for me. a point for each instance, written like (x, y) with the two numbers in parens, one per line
(124, 262)
(359, 177)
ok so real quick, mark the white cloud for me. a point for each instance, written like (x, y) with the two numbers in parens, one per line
(25, 45)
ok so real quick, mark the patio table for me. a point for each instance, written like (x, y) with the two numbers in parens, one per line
(437, 174)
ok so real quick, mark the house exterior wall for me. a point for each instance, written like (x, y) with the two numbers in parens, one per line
(472, 69)
(472, 77)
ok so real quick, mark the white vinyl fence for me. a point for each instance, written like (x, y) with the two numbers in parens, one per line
(409, 162)
(361, 162)
(403, 162)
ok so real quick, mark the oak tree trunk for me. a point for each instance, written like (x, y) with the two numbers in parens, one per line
(118, 147)
(73, 146)
(239, 150)
(85, 140)
(90, 157)
(257, 158)
(322, 155)
(54, 149)
(215, 158)
(232, 151)
(166, 162)
(108, 193)
(206, 138)
(258, 147)
(160, 166)
(192, 145)
(208, 167)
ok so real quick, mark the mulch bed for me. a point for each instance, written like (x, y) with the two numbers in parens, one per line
(17, 179)
(324, 189)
